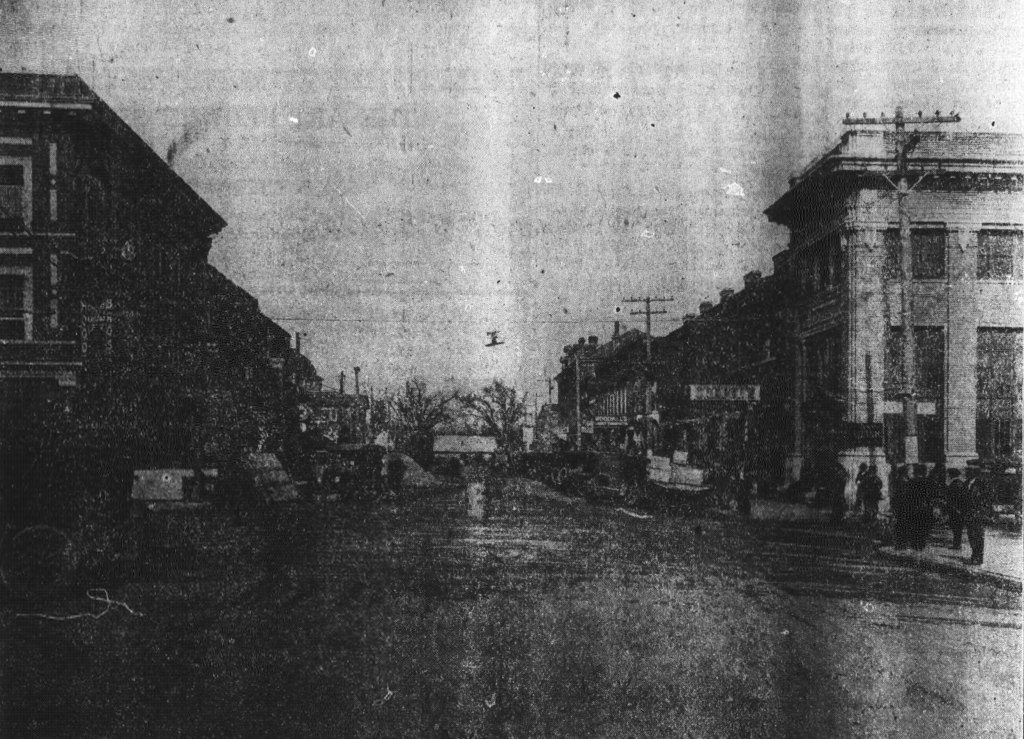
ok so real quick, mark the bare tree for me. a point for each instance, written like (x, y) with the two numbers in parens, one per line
(501, 410)
(415, 412)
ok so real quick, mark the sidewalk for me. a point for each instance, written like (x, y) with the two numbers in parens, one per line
(1004, 557)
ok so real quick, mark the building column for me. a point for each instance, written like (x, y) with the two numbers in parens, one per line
(961, 406)
(865, 358)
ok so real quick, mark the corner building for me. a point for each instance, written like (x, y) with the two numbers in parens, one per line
(966, 210)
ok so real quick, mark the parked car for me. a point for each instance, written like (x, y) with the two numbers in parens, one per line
(351, 469)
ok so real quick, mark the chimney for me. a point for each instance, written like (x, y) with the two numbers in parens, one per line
(341, 383)
(725, 294)
(615, 333)
(592, 340)
(751, 279)
(705, 306)
(356, 370)
(582, 341)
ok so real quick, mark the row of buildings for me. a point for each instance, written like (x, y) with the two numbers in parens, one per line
(119, 341)
(805, 367)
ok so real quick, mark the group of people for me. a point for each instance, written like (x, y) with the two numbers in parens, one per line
(914, 492)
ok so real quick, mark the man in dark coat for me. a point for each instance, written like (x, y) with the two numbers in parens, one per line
(920, 507)
(979, 510)
(899, 500)
(869, 490)
(956, 506)
(862, 473)
(837, 491)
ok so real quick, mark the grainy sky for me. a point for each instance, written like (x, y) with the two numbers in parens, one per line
(401, 177)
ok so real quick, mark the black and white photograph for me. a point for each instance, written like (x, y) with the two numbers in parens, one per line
(542, 368)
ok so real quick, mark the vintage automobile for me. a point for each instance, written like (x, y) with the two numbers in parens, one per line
(597, 476)
(612, 478)
(350, 470)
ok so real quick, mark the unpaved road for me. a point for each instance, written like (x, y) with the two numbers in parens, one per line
(538, 617)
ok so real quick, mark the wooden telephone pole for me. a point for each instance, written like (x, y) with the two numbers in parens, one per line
(647, 312)
(904, 145)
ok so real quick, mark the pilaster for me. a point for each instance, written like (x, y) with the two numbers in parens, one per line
(962, 349)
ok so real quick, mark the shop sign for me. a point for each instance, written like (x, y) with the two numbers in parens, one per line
(741, 393)
(610, 421)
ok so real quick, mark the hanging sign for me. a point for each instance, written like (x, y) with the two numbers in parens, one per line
(741, 393)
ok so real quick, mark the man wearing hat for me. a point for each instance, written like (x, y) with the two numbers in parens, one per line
(956, 505)
(978, 509)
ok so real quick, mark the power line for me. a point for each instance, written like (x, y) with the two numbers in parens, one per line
(443, 321)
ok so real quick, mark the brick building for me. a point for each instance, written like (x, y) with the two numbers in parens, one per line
(966, 212)
(724, 380)
(741, 342)
(115, 331)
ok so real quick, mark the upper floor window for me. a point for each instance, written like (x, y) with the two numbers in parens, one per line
(927, 249)
(822, 266)
(15, 305)
(15, 193)
(1000, 255)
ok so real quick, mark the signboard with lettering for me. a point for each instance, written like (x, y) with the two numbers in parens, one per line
(740, 393)
(610, 421)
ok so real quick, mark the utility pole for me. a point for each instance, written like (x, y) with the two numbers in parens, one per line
(904, 145)
(647, 312)
(579, 431)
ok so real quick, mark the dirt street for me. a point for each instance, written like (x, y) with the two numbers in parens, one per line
(512, 615)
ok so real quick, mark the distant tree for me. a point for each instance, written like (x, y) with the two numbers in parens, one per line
(415, 413)
(501, 410)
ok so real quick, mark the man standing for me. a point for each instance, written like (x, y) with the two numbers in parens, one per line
(899, 498)
(979, 509)
(919, 507)
(869, 490)
(862, 473)
(837, 489)
(956, 505)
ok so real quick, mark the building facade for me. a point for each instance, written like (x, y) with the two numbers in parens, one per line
(724, 381)
(965, 206)
(720, 384)
(115, 331)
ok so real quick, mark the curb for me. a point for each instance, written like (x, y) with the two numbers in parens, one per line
(1003, 582)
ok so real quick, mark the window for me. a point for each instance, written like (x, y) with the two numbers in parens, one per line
(1000, 353)
(928, 248)
(822, 266)
(928, 253)
(15, 193)
(930, 363)
(1000, 255)
(929, 385)
(825, 361)
(15, 307)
